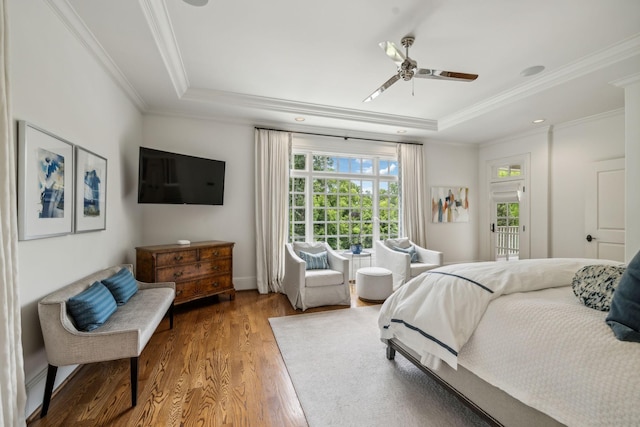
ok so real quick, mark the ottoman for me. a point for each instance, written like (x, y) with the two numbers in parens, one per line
(374, 284)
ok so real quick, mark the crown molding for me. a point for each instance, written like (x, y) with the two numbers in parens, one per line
(157, 16)
(592, 118)
(626, 81)
(76, 26)
(542, 130)
(588, 64)
(302, 108)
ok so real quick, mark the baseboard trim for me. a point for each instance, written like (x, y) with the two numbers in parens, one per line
(41, 376)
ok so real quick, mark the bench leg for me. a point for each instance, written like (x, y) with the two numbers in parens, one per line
(171, 316)
(48, 389)
(134, 381)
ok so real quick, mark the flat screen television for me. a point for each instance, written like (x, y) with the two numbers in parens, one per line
(172, 178)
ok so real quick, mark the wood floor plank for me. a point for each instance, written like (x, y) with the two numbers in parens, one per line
(219, 366)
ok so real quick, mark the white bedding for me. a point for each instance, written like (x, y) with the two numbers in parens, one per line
(436, 312)
(555, 355)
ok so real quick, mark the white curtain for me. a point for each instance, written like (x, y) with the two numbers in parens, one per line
(415, 206)
(12, 388)
(272, 196)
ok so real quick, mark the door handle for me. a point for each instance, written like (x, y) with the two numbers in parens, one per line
(590, 238)
(493, 228)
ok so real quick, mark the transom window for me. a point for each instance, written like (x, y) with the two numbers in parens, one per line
(507, 171)
(343, 200)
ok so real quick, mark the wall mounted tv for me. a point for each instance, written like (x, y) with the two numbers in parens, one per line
(172, 178)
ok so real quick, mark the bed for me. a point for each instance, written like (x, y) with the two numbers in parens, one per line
(512, 340)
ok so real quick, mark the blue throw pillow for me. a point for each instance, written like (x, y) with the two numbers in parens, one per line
(411, 250)
(122, 285)
(92, 307)
(317, 261)
(624, 316)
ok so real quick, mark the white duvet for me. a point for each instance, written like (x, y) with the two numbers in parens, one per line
(554, 354)
(537, 342)
(436, 312)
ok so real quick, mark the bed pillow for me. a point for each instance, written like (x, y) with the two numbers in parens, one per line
(92, 307)
(594, 285)
(122, 285)
(624, 316)
(317, 261)
(411, 250)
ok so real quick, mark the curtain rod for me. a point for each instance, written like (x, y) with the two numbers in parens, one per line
(346, 138)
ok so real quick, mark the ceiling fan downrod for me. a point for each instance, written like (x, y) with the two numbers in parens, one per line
(408, 66)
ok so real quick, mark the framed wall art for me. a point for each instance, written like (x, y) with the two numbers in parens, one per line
(45, 183)
(91, 191)
(450, 204)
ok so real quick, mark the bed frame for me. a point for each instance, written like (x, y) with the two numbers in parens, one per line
(495, 406)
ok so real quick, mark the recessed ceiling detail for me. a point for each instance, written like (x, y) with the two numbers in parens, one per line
(171, 58)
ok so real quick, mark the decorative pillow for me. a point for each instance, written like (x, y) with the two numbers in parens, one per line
(402, 242)
(317, 261)
(594, 285)
(411, 250)
(92, 307)
(122, 285)
(624, 317)
(310, 248)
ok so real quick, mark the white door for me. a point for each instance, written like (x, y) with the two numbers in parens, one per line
(605, 205)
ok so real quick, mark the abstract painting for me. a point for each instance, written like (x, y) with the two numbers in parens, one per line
(450, 204)
(50, 184)
(91, 191)
(45, 183)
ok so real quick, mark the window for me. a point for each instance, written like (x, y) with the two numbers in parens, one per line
(343, 199)
(507, 171)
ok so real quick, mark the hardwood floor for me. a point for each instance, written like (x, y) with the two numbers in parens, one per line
(219, 366)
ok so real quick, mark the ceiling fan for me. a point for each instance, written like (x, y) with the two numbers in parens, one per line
(408, 68)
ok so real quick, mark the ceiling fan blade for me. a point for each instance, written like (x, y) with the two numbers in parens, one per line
(423, 73)
(392, 52)
(382, 88)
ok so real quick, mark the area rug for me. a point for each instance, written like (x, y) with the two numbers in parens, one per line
(342, 377)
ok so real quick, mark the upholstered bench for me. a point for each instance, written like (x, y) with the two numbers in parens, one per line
(374, 284)
(120, 334)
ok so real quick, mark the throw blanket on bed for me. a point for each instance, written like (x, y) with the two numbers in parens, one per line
(436, 312)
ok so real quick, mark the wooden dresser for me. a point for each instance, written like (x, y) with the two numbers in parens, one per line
(200, 269)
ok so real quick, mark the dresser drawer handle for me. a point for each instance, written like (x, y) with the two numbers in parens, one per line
(216, 267)
(177, 274)
(216, 284)
(216, 253)
(177, 258)
(178, 293)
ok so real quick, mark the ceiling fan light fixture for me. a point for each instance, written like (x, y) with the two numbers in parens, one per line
(299, 119)
(527, 72)
(401, 131)
(537, 121)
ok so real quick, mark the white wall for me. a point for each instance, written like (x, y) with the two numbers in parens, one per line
(632, 160)
(234, 221)
(536, 144)
(560, 159)
(574, 147)
(456, 165)
(57, 85)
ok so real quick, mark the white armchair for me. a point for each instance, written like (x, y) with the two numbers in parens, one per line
(399, 261)
(318, 286)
